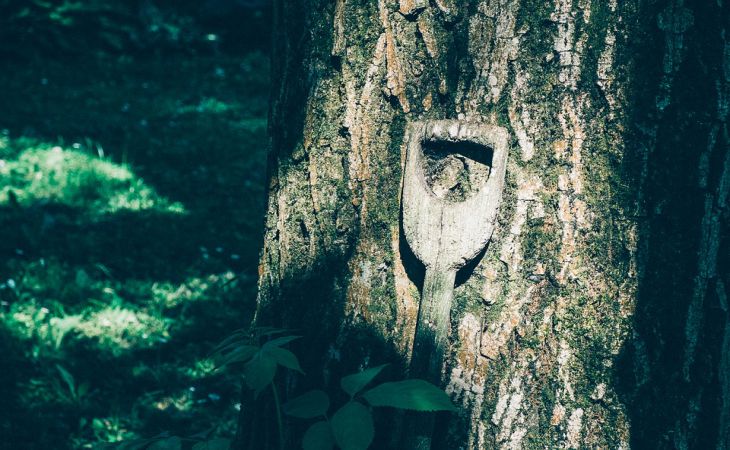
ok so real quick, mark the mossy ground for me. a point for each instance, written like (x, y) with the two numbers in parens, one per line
(131, 206)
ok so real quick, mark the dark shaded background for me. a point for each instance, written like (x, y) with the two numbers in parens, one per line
(128, 301)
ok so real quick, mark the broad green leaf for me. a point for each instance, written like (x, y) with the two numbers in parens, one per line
(171, 443)
(278, 342)
(213, 444)
(202, 435)
(236, 337)
(417, 395)
(149, 443)
(352, 384)
(68, 379)
(311, 404)
(259, 371)
(82, 390)
(284, 358)
(219, 444)
(136, 444)
(222, 349)
(352, 426)
(132, 444)
(240, 354)
(230, 343)
(318, 437)
(269, 331)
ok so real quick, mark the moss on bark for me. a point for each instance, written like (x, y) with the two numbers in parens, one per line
(607, 104)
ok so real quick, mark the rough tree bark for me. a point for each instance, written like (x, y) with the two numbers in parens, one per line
(598, 316)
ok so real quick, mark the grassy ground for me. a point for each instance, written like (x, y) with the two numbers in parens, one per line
(131, 202)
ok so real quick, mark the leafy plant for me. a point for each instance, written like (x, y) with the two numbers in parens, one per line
(164, 441)
(260, 354)
(74, 392)
(351, 427)
(111, 430)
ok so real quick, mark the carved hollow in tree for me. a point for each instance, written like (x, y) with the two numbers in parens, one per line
(442, 232)
(452, 189)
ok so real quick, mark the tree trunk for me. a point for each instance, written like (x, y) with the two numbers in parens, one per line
(598, 315)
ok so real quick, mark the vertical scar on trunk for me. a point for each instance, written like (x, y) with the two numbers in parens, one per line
(452, 189)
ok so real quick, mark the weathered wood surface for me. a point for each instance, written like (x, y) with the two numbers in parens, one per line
(445, 235)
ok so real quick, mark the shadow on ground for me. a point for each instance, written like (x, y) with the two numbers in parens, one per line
(126, 291)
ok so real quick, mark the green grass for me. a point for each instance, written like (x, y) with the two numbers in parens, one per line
(131, 207)
(75, 179)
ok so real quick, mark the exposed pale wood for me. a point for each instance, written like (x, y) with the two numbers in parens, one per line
(445, 235)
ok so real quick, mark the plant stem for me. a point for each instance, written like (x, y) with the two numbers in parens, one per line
(278, 415)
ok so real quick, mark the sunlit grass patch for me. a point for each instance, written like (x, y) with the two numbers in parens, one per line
(111, 429)
(207, 105)
(181, 400)
(122, 328)
(53, 305)
(42, 172)
(170, 295)
(201, 368)
(114, 328)
(30, 321)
